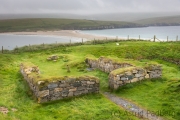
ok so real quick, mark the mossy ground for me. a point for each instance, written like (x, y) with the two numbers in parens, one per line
(154, 95)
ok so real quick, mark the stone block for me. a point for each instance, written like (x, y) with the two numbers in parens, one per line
(138, 75)
(147, 76)
(134, 71)
(124, 78)
(72, 90)
(81, 88)
(52, 85)
(43, 93)
(116, 86)
(70, 94)
(76, 93)
(65, 93)
(134, 80)
(128, 73)
(77, 84)
(141, 78)
(58, 90)
(90, 83)
(64, 85)
(85, 91)
(119, 82)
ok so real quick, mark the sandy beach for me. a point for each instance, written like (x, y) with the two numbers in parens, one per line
(68, 33)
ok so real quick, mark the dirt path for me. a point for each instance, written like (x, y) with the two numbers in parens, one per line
(131, 107)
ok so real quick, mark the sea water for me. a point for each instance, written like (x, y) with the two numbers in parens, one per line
(10, 41)
(144, 32)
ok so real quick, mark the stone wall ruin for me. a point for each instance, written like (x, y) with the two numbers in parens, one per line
(121, 73)
(58, 88)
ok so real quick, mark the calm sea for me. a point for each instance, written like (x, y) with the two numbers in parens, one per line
(145, 33)
(9, 41)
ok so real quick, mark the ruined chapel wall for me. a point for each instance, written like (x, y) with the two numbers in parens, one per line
(60, 88)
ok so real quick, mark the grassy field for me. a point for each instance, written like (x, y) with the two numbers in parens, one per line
(153, 95)
(15, 25)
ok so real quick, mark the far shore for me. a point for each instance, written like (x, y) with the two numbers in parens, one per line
(68, 33)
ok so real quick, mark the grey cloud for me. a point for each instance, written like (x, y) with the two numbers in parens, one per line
(88, 6)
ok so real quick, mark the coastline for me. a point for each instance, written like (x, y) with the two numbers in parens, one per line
(67, 33)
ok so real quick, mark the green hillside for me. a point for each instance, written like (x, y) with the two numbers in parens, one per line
(15, 25)
(154, 95)
(160, 21)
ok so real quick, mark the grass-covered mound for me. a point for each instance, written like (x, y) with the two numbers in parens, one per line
(154, 95)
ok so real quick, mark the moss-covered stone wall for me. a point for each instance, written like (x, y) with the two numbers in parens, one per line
(121, 77)
(58, 88)
(121, 73)
(105, 64)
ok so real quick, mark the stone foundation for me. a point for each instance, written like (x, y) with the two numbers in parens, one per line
(105, 64)
(58, 88)
(122, 73)
(121, 77)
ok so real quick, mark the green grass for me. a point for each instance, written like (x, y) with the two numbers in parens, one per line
(153, 95)
(15, 25)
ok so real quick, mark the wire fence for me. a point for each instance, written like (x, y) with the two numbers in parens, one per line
(43, 46)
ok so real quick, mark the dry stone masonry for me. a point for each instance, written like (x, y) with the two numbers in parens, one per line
(121, 77)
(105, 64)
(58, 88)
(123, 73)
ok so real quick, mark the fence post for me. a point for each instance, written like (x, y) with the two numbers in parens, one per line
(167, 38)
(154, 38)
(177, 38)
(128, 37)
(70, 41)
(82, 40)
(139, 37)
(2, 49)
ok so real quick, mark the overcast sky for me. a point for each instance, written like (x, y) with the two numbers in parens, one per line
(88, 6)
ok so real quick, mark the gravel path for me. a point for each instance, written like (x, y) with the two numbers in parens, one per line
(134, 109)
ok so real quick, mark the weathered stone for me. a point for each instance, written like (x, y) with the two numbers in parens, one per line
(130, 77)
(147, 76)
(64, 85)
(58, 90)
(138, 75)
(90, 83)
(43, 93)
(72, 90)
(124, 78)
(119, 82)
(70, 94)
(134, 80)
(141, 78)
(52, 85)
(65, 93)
(40, 82)
(76, 93)
(128, 73)
(116, 86)
(85, 91)
(81, 88)
(77, 84)
(134, 71)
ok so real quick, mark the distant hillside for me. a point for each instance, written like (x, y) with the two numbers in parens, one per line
(36, 24)
(160, 21)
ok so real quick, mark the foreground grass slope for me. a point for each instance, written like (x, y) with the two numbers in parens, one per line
(154, 95)
(16, 25)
